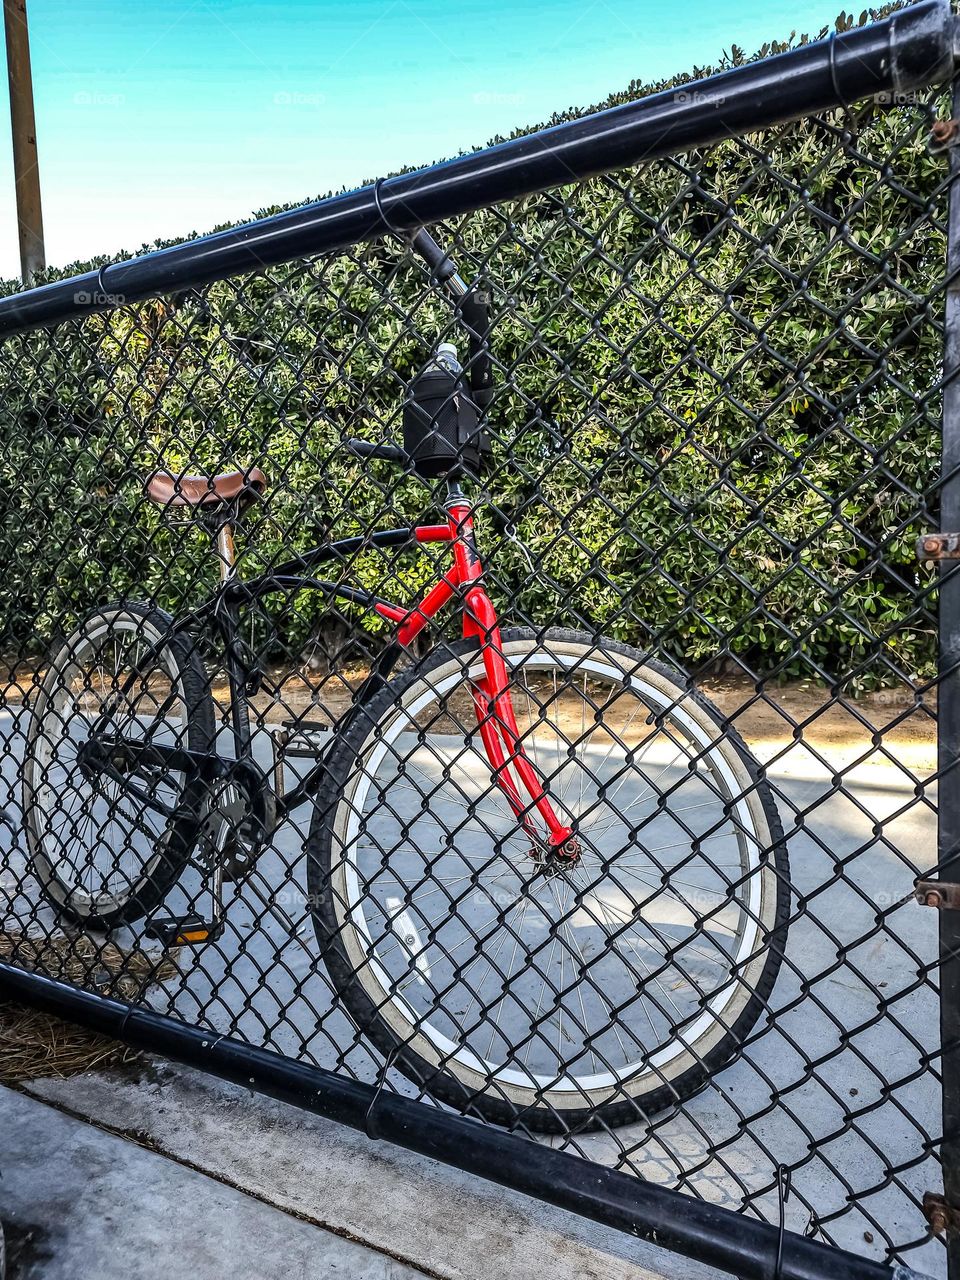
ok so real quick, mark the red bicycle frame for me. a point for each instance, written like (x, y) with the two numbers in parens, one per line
(502, 740)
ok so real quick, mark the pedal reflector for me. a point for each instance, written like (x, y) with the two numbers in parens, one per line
(199, 934)
(188, 932)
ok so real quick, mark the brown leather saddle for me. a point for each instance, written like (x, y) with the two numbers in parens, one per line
(232, 489)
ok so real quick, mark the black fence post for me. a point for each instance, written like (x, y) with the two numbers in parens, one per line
(949, 722)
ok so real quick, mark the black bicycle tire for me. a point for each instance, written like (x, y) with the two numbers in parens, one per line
(443, 1085)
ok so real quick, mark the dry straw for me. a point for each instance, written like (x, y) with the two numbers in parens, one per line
(34, 1044)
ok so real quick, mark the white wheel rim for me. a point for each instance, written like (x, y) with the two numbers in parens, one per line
(357, 898)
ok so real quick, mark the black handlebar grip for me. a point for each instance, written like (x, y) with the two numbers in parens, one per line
(441, 265)
(367, 449)
(475, 310)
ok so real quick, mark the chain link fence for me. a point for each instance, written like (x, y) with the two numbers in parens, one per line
(579, 782)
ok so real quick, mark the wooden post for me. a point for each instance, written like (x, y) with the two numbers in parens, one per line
(25, 167)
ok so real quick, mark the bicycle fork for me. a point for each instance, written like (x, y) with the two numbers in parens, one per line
(513, 771)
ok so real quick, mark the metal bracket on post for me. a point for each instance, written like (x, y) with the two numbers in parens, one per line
(944, 1218)
(938, 546)
(942, 894)
(943, 135)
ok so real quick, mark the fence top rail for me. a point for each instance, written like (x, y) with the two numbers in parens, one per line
(908, 50)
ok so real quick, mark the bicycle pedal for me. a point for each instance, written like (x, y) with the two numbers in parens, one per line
(188, 931)
(304, 737)
(298, 739)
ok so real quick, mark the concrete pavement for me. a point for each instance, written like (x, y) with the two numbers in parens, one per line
(79, 1203)
(436, 1218)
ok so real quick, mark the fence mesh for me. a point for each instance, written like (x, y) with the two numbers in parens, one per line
(663, 921)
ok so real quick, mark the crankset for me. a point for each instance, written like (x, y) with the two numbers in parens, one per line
(241, 816)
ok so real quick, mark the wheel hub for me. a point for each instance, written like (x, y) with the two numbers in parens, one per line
(559, 854)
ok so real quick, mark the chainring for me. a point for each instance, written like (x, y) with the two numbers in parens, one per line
(240, 820)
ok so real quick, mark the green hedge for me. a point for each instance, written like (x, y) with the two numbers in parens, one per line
(713, 424)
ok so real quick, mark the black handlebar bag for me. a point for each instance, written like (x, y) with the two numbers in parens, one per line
(441, 427)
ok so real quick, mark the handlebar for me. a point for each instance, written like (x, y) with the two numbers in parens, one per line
(388, 452)
(474, 310)
(441, 264)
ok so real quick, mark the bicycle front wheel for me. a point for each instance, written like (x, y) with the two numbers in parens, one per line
(532, 990)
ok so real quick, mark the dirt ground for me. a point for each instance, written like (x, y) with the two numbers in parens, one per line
(896, 724)
(897, 721)
(892, 723)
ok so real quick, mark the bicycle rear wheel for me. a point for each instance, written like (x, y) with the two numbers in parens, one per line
(101, 853)
(529, 990)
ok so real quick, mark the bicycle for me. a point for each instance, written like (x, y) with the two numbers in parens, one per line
(548, 880)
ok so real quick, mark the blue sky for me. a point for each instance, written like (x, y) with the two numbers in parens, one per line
(157, 120)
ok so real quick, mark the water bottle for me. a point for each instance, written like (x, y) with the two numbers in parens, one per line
(447, 359)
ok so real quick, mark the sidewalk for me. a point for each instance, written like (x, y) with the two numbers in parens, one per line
(437, 1220)
(81, 1204)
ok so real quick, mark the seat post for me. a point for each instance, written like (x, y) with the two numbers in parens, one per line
(226, 553)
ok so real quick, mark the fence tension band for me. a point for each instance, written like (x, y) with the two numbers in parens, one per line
(944, 134)
(944, 1218)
